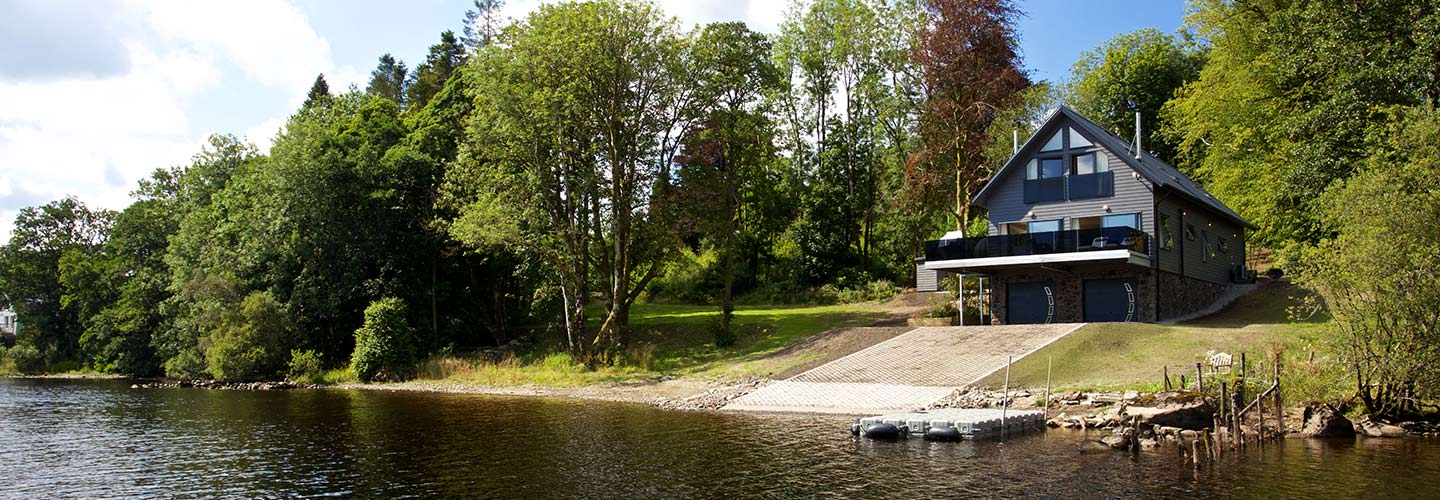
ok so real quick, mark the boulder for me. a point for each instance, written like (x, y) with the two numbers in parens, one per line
(1323, 421)
(1117, 441)
(1149, 443)
(1372, 428)
(1184, 410)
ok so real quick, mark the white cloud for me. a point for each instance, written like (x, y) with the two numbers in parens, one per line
(128, 88)
(93, 133)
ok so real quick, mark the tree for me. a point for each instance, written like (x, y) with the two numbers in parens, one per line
(574, 105)
(971, 73)
(482, 23)
(30, 269)
(430, 76)
(734, 72)
(388, 80)
(319, 91)
(1376, 273)
(1292, 98)
(1137, 71)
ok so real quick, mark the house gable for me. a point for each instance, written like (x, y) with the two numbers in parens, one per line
(1005, 197)
(1121, 158)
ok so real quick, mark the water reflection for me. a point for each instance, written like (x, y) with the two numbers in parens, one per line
(102, 439)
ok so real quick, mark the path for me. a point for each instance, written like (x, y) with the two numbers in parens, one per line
(908, 371)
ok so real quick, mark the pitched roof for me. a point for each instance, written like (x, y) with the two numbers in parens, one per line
(1159, 173)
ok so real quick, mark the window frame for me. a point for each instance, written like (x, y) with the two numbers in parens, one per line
(1167, 233)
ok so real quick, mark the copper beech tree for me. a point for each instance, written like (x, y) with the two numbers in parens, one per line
(971, 72)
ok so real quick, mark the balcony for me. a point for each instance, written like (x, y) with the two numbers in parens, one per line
(1069, 187)
(1073, 245)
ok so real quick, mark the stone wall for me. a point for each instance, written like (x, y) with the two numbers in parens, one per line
(1069, 289)
(1180, 295)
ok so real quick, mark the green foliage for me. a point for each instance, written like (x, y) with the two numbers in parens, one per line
(30, 268)
(384, 346)
(27, 359)
(305, 366)
(1291, 99)
(1137, 71)
(252, 341)
(319, 92)
(388, 80)
(430, 76)
(1377, 273)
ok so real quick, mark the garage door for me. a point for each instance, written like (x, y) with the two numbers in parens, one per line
(1110, 300)
(1030, 303)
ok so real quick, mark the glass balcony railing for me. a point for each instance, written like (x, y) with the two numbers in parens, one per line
(1075, 240)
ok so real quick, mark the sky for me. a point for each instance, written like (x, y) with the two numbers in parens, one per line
(94, 95)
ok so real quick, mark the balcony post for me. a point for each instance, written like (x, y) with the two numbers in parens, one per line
(960, 298)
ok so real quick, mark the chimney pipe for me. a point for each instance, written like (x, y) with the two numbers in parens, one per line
(1014, 141)
(1137, 135)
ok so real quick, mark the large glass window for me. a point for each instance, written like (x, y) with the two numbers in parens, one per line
(1044, 168)
(1045, 226)
(1051, 168)
(1124, 220)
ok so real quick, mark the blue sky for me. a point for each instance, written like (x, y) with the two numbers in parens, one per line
(95, 95)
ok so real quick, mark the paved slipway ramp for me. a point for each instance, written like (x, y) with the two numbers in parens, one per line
(909, 371)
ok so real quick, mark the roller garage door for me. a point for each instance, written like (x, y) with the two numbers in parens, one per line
(1030, 303)
(1110, 300)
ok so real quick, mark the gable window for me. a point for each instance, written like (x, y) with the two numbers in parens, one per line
(1090, 163)
(1068, 166)
(1167, 233)
(1189, 232)
(1222, 245)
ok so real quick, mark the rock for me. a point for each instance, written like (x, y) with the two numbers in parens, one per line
(1165, 430)
(1131, 395)
(1149, 443)
(1184, 410)
(1372, 428)
(1323, 421)
(1117, 441)
(1189, 435)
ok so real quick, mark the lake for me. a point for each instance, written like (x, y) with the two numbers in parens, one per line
(100, 438)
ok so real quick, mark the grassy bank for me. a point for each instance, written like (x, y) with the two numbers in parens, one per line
(1117, 356)
(670, 340)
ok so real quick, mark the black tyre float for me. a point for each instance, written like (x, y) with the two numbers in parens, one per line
(942, 434)
(882, 431)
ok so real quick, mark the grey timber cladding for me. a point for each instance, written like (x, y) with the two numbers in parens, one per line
(1005, 199)
(926, 280)
(1205, 223)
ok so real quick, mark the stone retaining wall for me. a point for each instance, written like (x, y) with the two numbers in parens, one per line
(1180, 295)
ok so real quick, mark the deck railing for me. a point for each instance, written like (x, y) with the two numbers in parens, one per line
(1075, 240)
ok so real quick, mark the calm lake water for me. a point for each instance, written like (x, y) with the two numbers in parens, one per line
(92, 439)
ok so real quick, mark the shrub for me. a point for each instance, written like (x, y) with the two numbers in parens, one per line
(385, 345)
(944, 310)
(252, 341)
(187, 364)
(28, 360)
(305, 366)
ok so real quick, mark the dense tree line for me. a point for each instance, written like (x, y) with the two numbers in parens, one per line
(537, 177)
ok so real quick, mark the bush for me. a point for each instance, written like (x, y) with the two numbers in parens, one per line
(385, 345)
(252, 342)
(187, 364)
(945, 310)
(305, 366)
(28, 360)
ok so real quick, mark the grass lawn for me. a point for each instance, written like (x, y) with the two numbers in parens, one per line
(673, 340)
(1135, 355)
